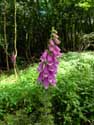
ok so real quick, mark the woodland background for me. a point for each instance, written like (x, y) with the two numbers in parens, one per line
(73, 19)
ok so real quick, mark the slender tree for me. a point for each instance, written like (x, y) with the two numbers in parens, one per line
(5, 35)
(15, 39)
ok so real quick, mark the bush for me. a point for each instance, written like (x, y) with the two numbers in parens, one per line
(71, 102)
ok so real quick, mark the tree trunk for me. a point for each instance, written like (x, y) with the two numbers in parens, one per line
(15, 38)
(5, 36)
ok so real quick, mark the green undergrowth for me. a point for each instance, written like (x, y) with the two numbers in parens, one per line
(24, 101)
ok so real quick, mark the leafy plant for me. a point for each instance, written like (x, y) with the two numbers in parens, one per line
(70, 102)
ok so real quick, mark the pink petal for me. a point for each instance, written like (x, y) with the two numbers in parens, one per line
(51, 48)
(57, 48)
(40, 78)
(44, 55)
(57, 41)
(55, 35)
(45, 72)
(51, 42)
(46, 83)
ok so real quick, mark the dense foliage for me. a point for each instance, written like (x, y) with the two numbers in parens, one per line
(34, 21)
(71, 102)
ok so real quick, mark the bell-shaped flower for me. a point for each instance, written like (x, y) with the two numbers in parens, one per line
(44, 55)
(46, 83)
(57, 41)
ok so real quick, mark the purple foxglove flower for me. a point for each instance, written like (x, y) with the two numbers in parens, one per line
(49, 58)
(44, 55)
(57, 48)
(52, 68)
(51, 78)
(40, 67)
(49, 63)
(56, 52)
(40, 78)
(55, 36)
(53, 82)
(57, 41)
(51, 48)
(51, 42)
(45, 72)
(46, 83)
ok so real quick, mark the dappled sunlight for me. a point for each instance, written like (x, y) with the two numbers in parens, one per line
(23, 75)
(8, 80)
(87, 56)
(68, 64)
(76, 67)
